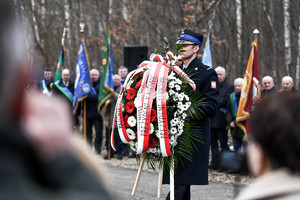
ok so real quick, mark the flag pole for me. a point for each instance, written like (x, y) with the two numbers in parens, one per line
(82, 25)
(109, 114)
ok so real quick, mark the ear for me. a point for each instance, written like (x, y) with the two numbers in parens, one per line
(258, 162)
(196, 48)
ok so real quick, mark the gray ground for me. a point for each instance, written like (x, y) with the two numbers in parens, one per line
(121, 176)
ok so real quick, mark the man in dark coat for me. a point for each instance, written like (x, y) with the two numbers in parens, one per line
(236, 132)
(93, 118)
(47, 83)
(65, 89)
(206, 80)
(218, 122)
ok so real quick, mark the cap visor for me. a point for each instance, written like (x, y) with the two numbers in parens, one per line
(184, 42)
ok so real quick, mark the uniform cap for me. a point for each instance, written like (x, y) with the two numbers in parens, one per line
(190, 37)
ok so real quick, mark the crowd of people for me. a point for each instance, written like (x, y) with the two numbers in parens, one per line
(40, 158)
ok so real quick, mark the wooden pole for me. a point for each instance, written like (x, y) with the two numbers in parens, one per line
(172, 192)
(160, 178)
(109, 134)
(138, 176)
(84, 120)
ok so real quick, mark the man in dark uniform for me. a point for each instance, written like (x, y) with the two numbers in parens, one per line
(206, 80)
(46, 83)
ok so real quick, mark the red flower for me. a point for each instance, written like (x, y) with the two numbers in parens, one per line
(126, 121)
(153, 117)
(131, 93)
(138, 85)
(129, 106)
(152, 143)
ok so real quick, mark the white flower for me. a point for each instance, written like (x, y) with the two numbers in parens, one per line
(172, 76)
(178, 81)
(137, 102)
(184, 115)
(174, 121)
(173, 141)
(131, 121)
(177, 87)
(130, 133)
(180, 96)
(171, 92)
(151, 128)
(133, 145)
(171, 84)
(186, 97)
(173, 131)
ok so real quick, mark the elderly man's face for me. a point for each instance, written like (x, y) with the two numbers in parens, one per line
(94, 77)
(66, 76)
(287, 84)
(117, 81)
(238, 87)
(268, 84)
(221, 75)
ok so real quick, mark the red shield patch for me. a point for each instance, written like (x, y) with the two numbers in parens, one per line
(213, 84)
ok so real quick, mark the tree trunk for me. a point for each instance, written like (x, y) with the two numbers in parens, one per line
(287, 34)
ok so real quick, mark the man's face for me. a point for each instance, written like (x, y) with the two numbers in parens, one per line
(238, 87)
(287, 84)
(188, 51)
(221, 75)
(268, 84)
(66, 76)
(47, 75)
(123, 72)
(94, 77)
(117, 81)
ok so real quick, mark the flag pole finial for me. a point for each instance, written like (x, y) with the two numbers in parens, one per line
(82, 25)
(256, 32)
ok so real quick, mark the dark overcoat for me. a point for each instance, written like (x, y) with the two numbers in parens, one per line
(196, 172)
(219, 120)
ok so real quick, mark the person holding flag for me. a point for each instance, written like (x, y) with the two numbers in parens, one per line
(106, 91)
(83, 86)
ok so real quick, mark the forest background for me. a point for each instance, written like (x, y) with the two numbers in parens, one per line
(147, 22)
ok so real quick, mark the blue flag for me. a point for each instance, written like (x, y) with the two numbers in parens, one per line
(106, 81)
(82, 87)
(206, 58)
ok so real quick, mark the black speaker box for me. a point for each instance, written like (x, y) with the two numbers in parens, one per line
(134, 55)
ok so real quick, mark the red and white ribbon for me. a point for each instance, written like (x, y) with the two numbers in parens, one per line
(162, 118)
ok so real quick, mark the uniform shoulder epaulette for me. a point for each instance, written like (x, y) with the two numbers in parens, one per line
(209, 68)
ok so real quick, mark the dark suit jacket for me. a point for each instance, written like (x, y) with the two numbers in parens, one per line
(206, 80)
(218, 121)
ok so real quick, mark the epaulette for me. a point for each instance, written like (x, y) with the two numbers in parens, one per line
(209, 68)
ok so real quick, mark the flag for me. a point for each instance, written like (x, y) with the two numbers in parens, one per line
(106, 81)
(60, 63)
(82, 87)
(206, 58)
(250, 92)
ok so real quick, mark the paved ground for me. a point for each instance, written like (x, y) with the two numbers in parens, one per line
(121, 182)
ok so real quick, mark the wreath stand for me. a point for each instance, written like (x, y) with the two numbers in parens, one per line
(160, 177)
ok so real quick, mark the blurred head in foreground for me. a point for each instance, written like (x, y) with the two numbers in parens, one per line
(12, 57)
(275, 134)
